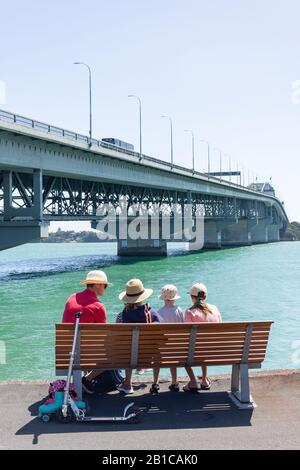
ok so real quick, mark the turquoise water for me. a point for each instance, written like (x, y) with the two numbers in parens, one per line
(251, 283)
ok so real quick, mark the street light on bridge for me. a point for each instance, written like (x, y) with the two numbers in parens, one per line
(208, 155)
(193, 146)
(220, 160)
(229, 163)
(171, 135)
(90, 92)
(140, 119)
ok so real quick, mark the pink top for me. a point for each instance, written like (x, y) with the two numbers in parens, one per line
(196, 315)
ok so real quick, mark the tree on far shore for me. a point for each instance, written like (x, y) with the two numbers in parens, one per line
(292, 232)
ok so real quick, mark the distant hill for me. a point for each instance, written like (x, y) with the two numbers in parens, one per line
(62, 236)
(70, 236)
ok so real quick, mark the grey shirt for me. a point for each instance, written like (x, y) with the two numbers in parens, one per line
(170, 315)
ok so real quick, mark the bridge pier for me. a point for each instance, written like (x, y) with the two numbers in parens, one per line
(237, 234)
(212, 234)
(226, 232)
(273, 233)
(142, 247)
(22, 224)
(266, 231)
(18, 232)
(259, 232)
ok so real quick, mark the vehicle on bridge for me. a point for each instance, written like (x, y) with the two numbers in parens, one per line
(118, 143)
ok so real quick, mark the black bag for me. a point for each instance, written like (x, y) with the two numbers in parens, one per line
(142, 314)
(108, 381)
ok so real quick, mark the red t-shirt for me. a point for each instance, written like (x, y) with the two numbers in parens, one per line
(88, 304)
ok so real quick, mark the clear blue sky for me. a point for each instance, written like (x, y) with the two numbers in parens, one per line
(223, 68)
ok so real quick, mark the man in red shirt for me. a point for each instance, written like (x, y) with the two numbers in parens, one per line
(93, 311)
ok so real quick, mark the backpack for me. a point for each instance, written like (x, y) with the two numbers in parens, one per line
(141, 314)
(108, 381)
(59, 386)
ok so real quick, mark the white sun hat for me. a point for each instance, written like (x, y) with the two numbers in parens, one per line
(96, 277)
(198, 289)
(135, 292)
(169, 292)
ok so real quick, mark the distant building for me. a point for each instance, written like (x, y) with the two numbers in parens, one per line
(262, 188)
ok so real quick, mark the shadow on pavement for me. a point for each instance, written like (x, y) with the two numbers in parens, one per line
(167, 410)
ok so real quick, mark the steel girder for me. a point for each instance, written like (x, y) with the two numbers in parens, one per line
(65, 197)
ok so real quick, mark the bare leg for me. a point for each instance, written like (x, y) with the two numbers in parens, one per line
(205, 380)
(156, 374)
(127, 381)
(193, 381)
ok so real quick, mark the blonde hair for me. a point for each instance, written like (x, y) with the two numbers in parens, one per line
(201, 304)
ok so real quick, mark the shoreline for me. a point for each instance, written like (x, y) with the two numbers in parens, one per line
(164, 379)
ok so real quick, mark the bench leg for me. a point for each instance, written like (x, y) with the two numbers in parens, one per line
(77, 383)
(245, 388)
(240, 388)
(235, 378)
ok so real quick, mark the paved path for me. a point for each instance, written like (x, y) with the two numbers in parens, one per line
(180, 421)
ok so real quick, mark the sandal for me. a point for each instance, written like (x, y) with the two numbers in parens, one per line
(154, 389)
(187, 388)
(174, 387)
(127, 391)
(206, 387)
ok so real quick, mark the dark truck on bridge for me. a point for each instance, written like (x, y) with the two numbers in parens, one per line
(118, 143)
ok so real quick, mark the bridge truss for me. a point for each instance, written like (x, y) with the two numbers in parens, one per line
(76, 199)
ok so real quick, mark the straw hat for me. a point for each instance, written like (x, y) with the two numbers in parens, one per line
(96, 277)
(135, 292)
(169, 292)
(198, 289)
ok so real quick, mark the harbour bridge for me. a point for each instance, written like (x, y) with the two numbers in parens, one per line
(51, 174)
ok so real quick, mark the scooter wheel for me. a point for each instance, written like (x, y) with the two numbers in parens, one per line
(65, 419)
(137, 415)
(46, 418)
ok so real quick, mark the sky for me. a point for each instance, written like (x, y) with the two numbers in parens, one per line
(227, 69)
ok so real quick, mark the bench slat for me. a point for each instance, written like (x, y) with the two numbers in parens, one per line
(109, 345)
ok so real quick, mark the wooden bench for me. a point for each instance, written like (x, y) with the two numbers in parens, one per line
(241, 345)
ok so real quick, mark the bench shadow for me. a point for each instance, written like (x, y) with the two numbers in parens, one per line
(167, 410)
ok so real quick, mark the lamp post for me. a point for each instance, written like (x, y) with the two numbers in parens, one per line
(239, 177)
(208, 155)
(171, 136)
(140, 121)
(193, 146)
(90, 93)
(220, 160)
(229, 162)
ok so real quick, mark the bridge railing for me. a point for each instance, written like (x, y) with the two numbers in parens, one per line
(74, 136)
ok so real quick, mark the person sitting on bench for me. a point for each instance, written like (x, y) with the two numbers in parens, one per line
(200, 312)
(134, 312)
(169, 313)
(93, 311)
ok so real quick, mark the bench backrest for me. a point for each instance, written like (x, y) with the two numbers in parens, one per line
(162, 344)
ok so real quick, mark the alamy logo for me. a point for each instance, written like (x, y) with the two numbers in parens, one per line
(2, 92)
(296, 92)
(175, 222)
(2, 352)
